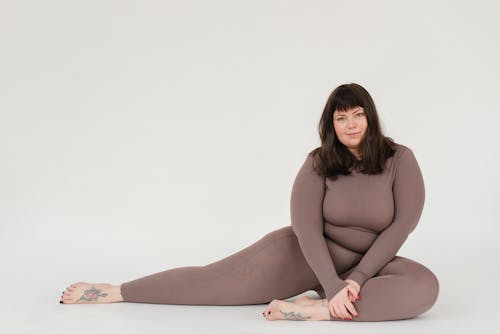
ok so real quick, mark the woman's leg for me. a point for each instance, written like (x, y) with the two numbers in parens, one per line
(275, 268)
(271, 268)
(402, 289)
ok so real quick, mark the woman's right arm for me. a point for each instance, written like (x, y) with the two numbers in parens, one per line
(306, 210)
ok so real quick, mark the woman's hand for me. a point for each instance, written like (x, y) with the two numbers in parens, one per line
(356, 287)
(340, 305)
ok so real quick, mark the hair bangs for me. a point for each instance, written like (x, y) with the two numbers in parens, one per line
(345, 99)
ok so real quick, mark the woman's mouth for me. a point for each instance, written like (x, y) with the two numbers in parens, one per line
(353, 134)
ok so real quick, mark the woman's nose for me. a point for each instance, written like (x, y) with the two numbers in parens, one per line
(351, 124)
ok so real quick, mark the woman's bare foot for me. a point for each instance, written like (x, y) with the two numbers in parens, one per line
(281, 310)
(305, 301)
(91, 293)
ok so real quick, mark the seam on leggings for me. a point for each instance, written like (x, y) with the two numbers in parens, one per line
(254, 255)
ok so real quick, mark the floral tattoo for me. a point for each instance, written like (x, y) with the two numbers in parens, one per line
(294, 316)
(92, 294)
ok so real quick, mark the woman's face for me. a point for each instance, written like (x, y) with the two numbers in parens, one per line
(350, 127)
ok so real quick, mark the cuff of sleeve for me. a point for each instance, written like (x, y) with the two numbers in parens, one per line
(336, 287)
(358, 276)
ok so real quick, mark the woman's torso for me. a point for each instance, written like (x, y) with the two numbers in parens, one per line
(357, 207)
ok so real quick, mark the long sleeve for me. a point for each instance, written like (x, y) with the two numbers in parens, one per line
(409, 197)
(306, 209)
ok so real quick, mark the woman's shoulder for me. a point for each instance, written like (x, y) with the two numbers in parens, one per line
(403, 155)
(400, 150)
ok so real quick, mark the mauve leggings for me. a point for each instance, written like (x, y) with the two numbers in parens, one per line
(275, 268)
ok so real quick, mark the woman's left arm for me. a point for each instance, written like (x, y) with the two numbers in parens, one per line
(409, 198)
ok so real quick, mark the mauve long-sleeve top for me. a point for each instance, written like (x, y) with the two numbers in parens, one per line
(369, 214)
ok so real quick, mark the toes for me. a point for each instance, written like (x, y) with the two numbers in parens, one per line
(266, 313)
(272, 307)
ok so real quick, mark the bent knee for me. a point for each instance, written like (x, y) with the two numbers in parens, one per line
(426, 286)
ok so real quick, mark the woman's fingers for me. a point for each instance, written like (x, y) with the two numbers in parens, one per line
(350, 306)
(352, 296)
(341, 306)
(341, 311)
(351, 309)
(345, 312)
(337, 312)
(354, 293)
(332, 311)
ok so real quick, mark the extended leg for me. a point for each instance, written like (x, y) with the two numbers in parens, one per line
(271, 268)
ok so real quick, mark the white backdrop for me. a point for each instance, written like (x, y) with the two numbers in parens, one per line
(138, 136)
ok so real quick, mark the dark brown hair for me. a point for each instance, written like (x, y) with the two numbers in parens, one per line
(332, 157)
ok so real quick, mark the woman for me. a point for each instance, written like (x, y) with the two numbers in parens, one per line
(354, 202)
